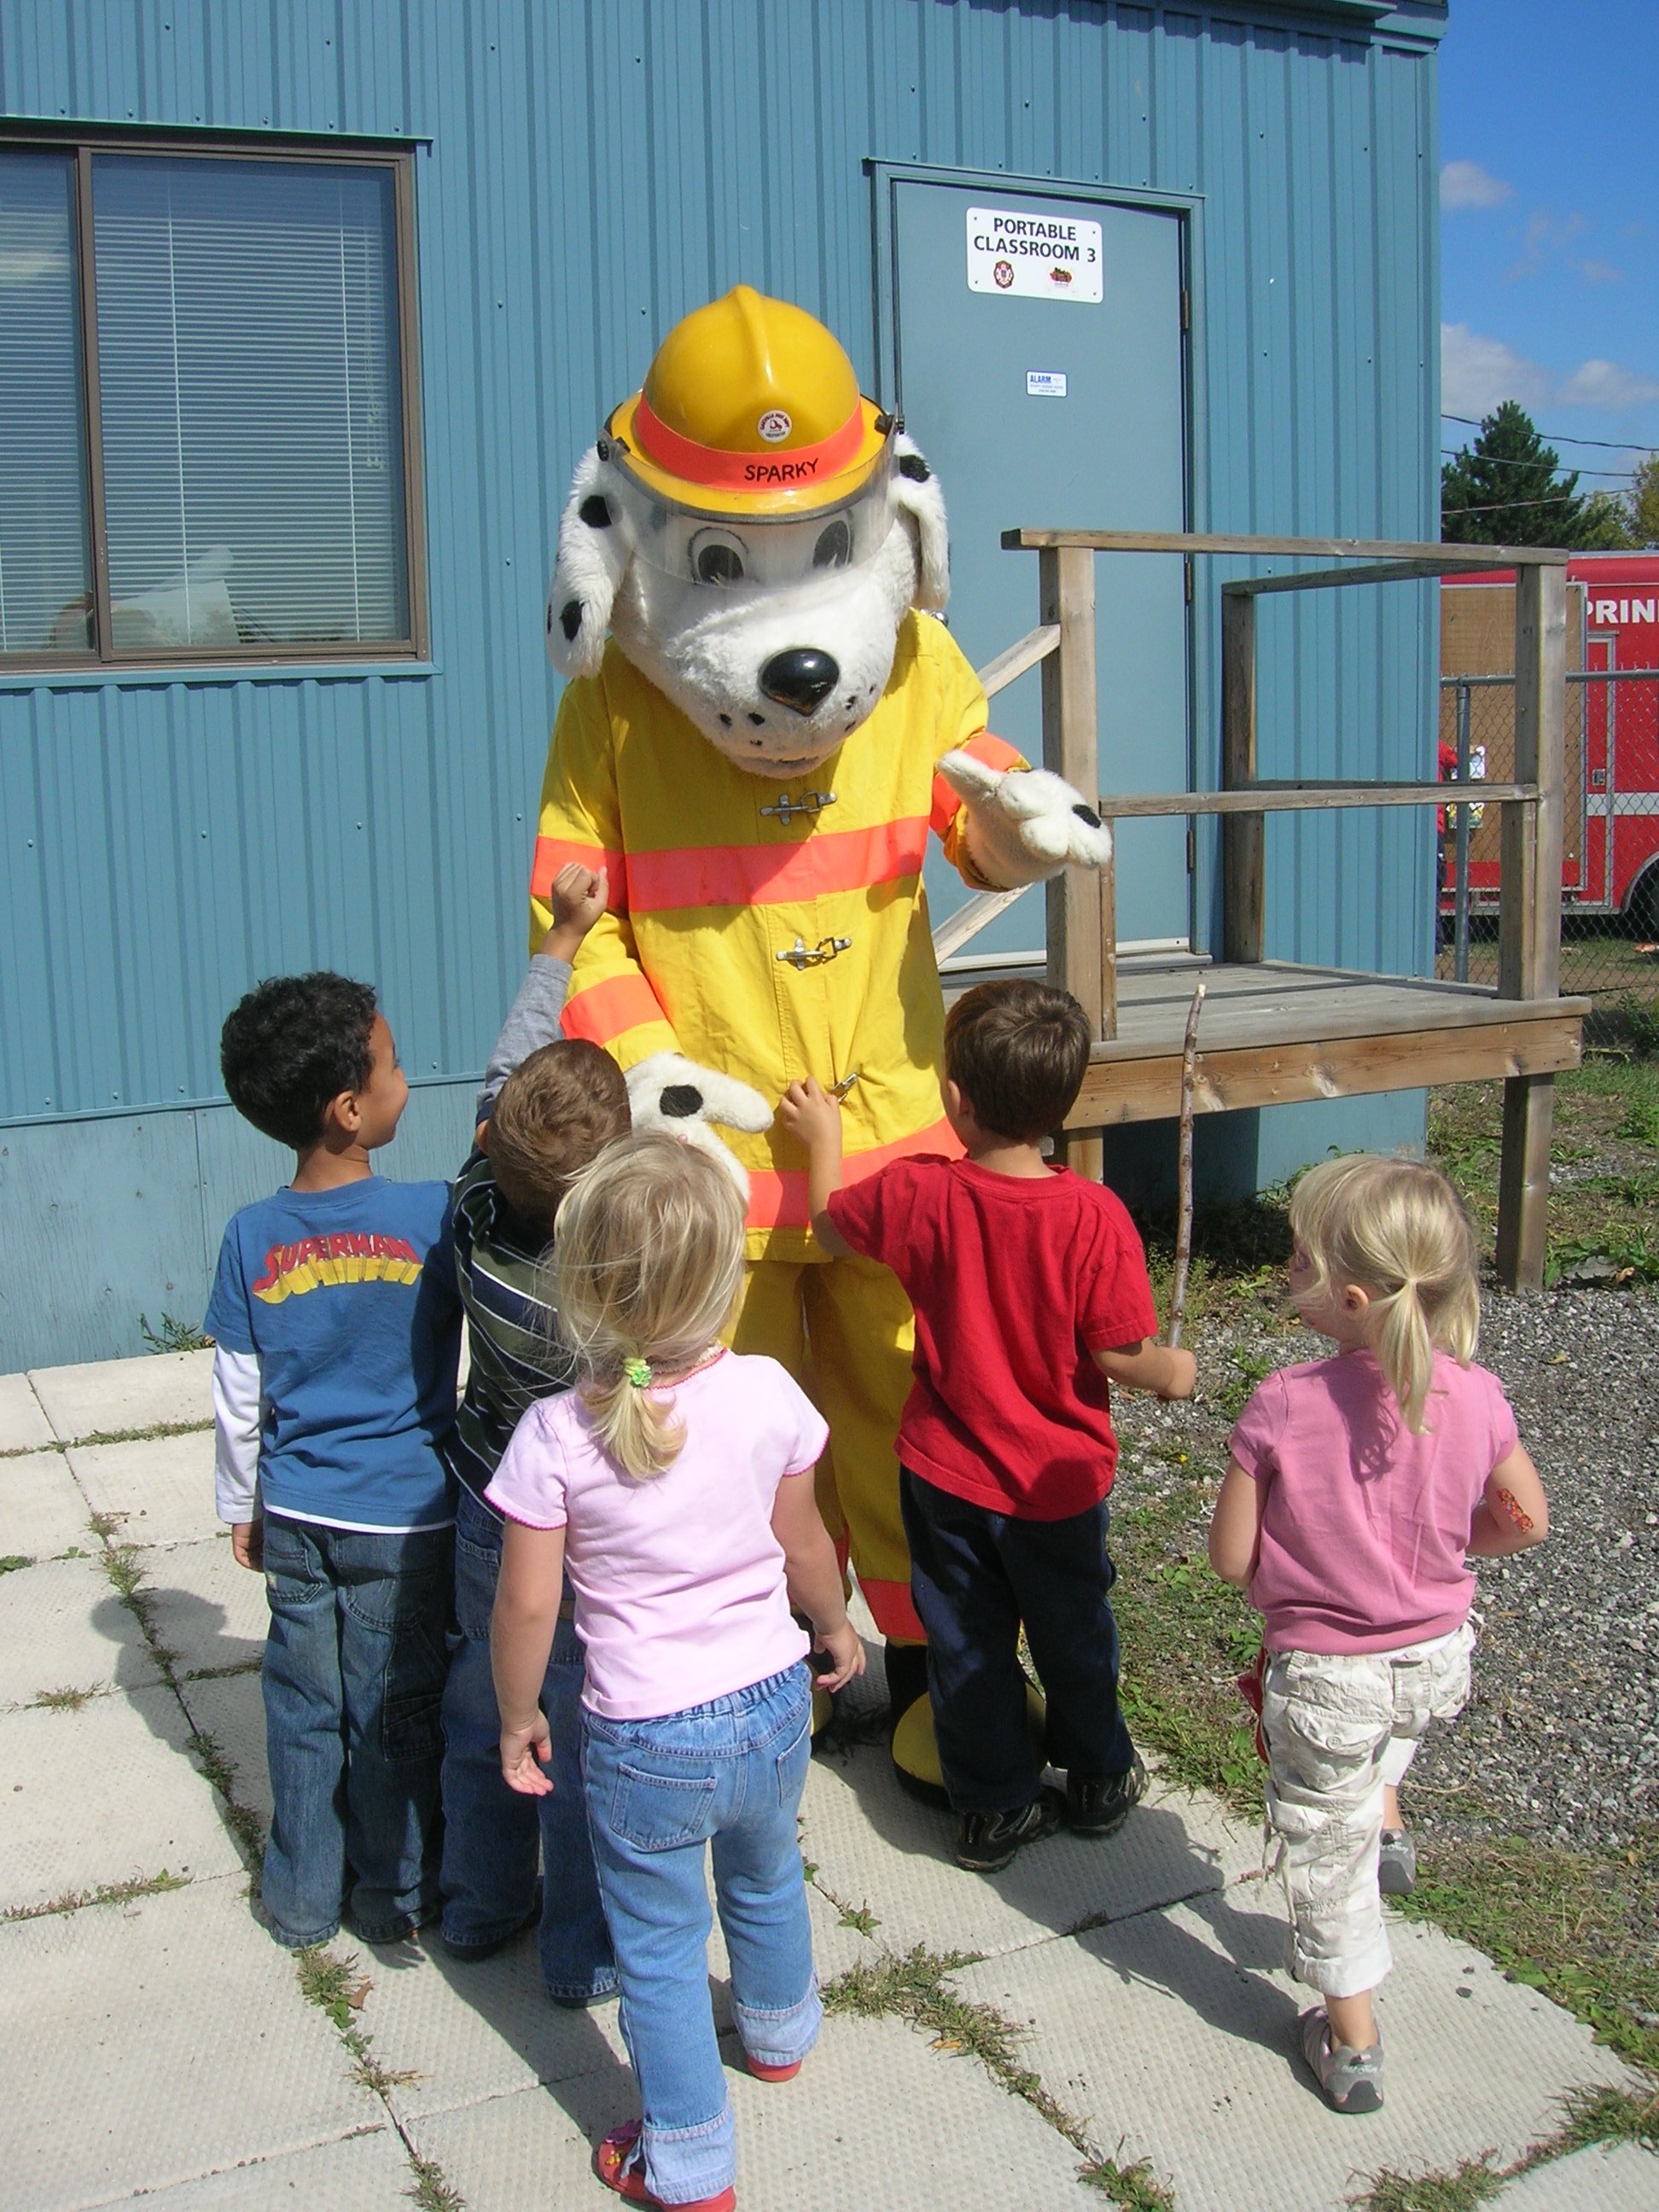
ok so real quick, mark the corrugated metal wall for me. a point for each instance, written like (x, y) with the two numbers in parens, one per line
(589, 170)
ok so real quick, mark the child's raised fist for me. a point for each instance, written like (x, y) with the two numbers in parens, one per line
(578, 900)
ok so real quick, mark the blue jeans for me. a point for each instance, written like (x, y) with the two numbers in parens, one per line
(354, 1671)
(975, 1575)
(728, 1773)
(491, 1834)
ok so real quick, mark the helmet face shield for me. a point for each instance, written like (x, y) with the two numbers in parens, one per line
(723, 551)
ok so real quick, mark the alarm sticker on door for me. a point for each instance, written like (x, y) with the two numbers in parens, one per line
(1045, 384)
(1034, 256)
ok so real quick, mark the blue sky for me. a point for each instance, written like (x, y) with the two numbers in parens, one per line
(1549, 141)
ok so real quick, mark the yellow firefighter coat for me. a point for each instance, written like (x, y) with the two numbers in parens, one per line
(768, 930)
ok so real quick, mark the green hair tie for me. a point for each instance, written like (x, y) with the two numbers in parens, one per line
(638, 1372)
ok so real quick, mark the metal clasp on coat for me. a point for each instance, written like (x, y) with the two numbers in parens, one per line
(809, 802)
(802, 955)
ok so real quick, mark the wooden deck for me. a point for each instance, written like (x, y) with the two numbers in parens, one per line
(1273, 1033)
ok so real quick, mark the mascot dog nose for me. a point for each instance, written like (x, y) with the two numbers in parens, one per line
(799, 679)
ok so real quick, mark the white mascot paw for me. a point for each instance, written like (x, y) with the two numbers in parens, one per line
(1024, 824)
(669, 1092)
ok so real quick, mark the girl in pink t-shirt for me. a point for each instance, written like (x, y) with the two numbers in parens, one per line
(1358, 1488)
(674, 1487)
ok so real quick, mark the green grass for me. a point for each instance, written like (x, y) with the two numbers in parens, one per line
(1591, 2116)
(1575, 1924)
(1186, 1636)
(66, 1700)
(13, 1560)
(1605, 1152)
(1475, 2181)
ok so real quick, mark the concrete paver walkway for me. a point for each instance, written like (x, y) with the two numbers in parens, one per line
(159, 2044)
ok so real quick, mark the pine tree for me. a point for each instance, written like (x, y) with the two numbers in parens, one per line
(1643, 499)
(1507, 488)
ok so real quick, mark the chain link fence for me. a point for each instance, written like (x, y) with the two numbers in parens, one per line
(1610, 841)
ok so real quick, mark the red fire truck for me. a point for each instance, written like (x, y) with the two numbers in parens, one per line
(1611, 841)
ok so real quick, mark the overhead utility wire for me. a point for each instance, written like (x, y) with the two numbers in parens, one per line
(1503, 461)
(1560, 437)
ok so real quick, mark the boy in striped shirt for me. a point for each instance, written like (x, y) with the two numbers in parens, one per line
(546, 1108)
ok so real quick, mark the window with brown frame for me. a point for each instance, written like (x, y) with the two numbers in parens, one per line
(207, 442)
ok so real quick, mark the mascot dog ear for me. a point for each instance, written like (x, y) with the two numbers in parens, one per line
(919, 496)
(594, 551)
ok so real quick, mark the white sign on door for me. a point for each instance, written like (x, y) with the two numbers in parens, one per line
(1034, 256)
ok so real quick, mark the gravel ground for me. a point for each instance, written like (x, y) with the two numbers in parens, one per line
(1560, 1742)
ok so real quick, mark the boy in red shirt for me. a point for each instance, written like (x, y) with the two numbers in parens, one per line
(1030, 1295)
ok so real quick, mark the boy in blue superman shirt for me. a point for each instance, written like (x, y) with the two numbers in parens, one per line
(337, 1324)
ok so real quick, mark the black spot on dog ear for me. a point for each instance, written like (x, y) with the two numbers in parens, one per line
(595, 512)
(680, 1101)
(550, 621)
(913, 465)
(570, 618)
(1087, 814)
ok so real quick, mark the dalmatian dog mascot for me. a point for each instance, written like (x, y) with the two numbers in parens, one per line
(764, 724)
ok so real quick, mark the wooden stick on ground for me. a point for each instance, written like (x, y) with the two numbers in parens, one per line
(1183, 1252)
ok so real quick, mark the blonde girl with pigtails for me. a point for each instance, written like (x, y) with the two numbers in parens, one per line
(674, 1487)
(1358, 1488)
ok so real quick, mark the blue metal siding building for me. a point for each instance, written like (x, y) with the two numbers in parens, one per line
(586, 171)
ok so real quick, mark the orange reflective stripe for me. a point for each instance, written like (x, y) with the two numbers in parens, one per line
(604, 1010)
(893, 1609)
(777, 1196)
(995, 752)
(553, 854)
(769, 875)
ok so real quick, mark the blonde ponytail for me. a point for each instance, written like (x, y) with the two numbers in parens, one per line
(646, 1270)
(1400, 1232)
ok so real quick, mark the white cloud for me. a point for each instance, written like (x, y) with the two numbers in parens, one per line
(1600, 273)
(1466, 184)
(1604, 384)
(1477, 374)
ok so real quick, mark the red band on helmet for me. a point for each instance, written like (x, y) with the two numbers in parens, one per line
(774, 469)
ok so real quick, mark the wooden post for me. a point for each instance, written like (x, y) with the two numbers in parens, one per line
(1243, 839)
(1082, 924)
(1529, 912)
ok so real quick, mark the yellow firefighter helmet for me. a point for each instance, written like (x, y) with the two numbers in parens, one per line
(751, 407)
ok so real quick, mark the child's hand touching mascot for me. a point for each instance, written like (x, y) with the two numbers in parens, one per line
(757, 753)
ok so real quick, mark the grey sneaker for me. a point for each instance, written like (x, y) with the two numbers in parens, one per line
(1396, 1863)
(1352, 2080)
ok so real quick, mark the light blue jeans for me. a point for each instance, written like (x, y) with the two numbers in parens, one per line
(728, 1774)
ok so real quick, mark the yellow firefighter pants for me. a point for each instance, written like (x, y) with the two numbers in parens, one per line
(844, 1330)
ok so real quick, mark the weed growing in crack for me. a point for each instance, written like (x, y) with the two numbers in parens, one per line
(1473, 2182)
(111, 1892)
(1136, 2187)
(13, 1560)
(914, 1989)
(67, 1700)
(860, 1918)
(239, 1818)
(432, 2192)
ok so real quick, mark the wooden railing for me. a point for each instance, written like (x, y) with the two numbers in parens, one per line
(1082, 935)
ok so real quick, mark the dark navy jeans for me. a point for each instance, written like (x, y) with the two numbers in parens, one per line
(975, 1575)
(492, 1834)
(354, 1672)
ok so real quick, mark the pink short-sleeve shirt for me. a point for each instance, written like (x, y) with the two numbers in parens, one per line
(1364, 1526)
(678, 1580)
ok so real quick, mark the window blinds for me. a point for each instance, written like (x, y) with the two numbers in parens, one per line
(46, 572)
(252, 410)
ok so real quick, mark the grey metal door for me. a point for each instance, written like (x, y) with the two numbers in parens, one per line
(1038, 351)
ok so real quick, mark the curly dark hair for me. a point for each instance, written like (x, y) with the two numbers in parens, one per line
(1018, 1051)
(292, 1044)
